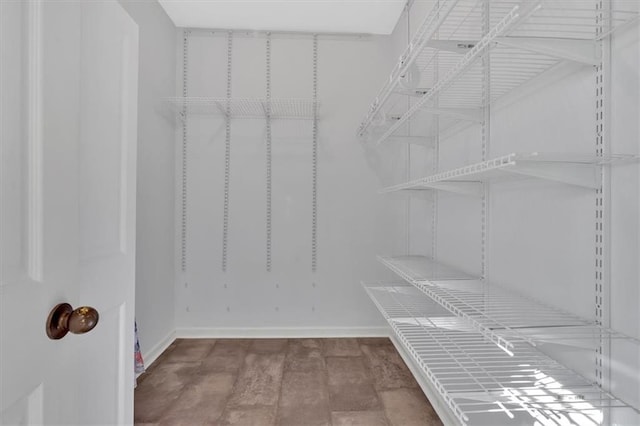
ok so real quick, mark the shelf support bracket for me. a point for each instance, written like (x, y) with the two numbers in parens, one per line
(475, 115)
(584, 175)
(455, 46)
(417, 93)
(475, 189)
(427, 141)
(581, 51)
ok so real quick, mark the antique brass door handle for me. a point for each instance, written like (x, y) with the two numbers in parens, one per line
(63, 319)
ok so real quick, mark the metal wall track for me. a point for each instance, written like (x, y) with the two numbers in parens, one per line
(435, 160)
(185, 136)
(268, 152)
(314, 170)
(486, 139)
(231, 108)
(602, 201)
(227, 155)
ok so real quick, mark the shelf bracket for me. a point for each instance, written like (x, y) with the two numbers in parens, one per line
(427, 141)
(489, 397)
(576, 50)
(432, 322)
(222, 108)
(475, 115)
(584, 175)
(417, 92)
(587, 344)
(417, 192)
(475, 189)
(455, 46)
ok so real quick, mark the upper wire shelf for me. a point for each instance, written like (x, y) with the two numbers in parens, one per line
(573, 169)
(441, 66)
(290, 108)
(476, 379)
(502, 316)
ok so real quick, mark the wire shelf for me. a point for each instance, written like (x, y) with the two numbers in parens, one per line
(304, 109)
(501, 315)
(442, 62)
(573, 169)
(476, 379)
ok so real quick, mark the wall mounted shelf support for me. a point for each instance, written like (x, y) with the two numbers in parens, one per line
(576, 50)
(455, 46)
(427, 141)
(475, 115)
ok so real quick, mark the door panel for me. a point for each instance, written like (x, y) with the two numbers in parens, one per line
(108, 133)
(103, 133)
(68, 85)
(106, 353)
(26, 411)
(21, 201)
(12, 167)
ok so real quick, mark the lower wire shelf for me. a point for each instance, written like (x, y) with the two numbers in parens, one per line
(479, 382)
(499, 314)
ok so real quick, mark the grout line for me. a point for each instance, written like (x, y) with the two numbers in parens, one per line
(235, 384)
(284, 363)
(326, 379)
(369, 365)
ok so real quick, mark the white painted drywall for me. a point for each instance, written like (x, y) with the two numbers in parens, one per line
(354, 222)
(156, 143)
(625, 224)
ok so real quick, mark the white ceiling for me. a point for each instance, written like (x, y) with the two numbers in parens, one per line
(321, 16)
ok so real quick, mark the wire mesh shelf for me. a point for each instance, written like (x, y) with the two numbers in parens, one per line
(501, 315)
(573, 169)
(476, 379)
(442, 62)
(291, 108)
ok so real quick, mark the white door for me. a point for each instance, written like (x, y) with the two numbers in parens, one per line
(68, 103)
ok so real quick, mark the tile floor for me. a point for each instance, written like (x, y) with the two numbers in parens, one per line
(296, 382)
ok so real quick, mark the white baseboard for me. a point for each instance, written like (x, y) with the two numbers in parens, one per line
(280, 332)
(152, 354)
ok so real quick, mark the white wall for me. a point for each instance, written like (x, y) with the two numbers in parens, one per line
(155, 219)
(354, 222)
(625, 216)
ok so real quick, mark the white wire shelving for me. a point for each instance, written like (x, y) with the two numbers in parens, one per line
(500, 315)
(573, 169)
(302, 109)
(475, 342)
(441, 66)
(480, 383)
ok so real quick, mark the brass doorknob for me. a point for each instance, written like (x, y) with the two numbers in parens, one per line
(63, 319)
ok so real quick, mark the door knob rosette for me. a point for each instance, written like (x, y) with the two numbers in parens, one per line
(63, 319)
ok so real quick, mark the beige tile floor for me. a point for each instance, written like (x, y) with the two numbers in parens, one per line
(296, 382)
